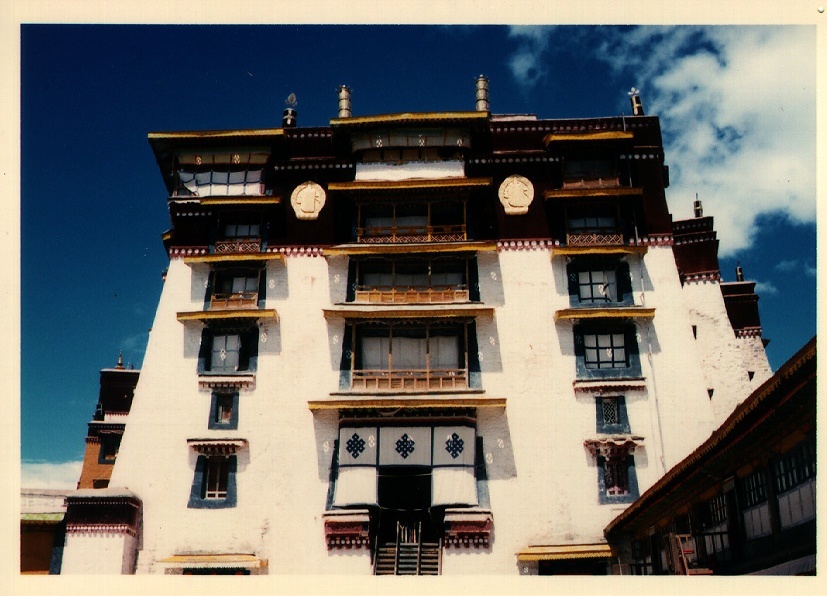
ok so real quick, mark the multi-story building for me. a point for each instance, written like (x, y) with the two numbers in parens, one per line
(449, 342)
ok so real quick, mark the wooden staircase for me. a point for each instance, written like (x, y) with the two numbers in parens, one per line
(408, 556)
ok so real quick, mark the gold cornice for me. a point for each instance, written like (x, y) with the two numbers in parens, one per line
(605, 312)
(208, 134)
(571, 551)
(241, 200)
(407, 311)
(212, 315)
(604, 135)
(621, 249)
(406, 402)
(410, 118)
(574, 193)
(247, 256)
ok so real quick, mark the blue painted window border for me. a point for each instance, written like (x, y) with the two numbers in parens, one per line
(631, 480)
(632, 371)
(197, 500)
(249, 347)
(593, 263)
(240, 269)
(622, 425)
(214, 423)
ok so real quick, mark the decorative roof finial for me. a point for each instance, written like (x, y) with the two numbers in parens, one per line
(637, 103)
(120, 360)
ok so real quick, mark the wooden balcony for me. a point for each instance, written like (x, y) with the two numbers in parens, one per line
(401, 295)
(234, 300)
(413, 380)
(237, 245)
(411, 234)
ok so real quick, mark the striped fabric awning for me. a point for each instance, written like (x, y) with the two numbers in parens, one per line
(565, 551)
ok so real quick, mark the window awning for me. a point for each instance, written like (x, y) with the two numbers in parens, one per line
(618, 249)
(217, 446)
(224, 258)
(604, 312)
(235, 313)
(452, 400)
(565, 551)
(216, 561)
(608, 386)
(407, 311)
(613, 446)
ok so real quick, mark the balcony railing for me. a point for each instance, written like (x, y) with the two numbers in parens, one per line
(608, 182)
(594, 239)
(421, 380)
(393, 234)
(220, 301)
(236, 245)
(402, 295)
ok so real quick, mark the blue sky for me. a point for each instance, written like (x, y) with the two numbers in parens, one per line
(737, 106)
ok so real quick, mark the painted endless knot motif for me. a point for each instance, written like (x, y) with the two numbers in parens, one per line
(454, 446)
(405, 446)
(355, 446)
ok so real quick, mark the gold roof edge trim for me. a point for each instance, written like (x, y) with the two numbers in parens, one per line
(206, 134)
(241, 200)
(403, 117)
(422, 311)
(603, 135)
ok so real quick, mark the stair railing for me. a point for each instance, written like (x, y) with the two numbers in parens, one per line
(419, 548)
(396, 554)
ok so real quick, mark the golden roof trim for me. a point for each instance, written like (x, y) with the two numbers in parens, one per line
(603, 135)
(604, 312)
(572, 193)
(407, 311)
(568, 551)
(247, 256)
(208, 134)
(617, 249)
(407, 248)
(235, 313)
(410, 117)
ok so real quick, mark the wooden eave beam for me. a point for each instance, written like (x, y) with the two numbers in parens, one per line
(247, 256)
(406, 402)
(409, 248)
(213, 315)
(585, 193)
(620, 249)
(605, 135)
(415, 184)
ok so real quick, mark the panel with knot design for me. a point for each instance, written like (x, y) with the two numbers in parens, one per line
(454, 446)
(355, 446)
(405, 446)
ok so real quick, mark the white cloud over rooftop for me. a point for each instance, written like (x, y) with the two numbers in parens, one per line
(50, 475)
(737, 109)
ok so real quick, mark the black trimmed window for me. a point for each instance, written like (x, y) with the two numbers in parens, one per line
(617, 479)
(755, 489)
(236, 287)
(214, 483)
(110, 443)
(606, 351)
(599, 282)
(611, 415)
(228, 350)
(795, 467)
(424, 355)
(221, 175)
(224, 410)
(717, 510)
(420, 221)
(425, 278)
(589, 173)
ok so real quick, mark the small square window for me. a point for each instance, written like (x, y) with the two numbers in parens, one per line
(617, 479)
(611, 415)
(214, 485)
(605, 350)
(224, 410)
(611, 411)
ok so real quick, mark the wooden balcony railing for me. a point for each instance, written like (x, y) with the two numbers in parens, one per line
(220, 301)
(236, 245)
(594, 239)
(610, 182)
(393, 234)
(403, 295)
(415, 380)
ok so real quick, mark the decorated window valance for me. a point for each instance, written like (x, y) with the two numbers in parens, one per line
(381, 139)
(613, 447)
(217, 446)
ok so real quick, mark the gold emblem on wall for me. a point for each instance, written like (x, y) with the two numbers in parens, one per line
(307, 200)
(516, 193)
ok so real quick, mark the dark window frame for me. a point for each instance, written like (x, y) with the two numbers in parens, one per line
(632, 356)
(198, 491)
(248, 349)
(219, 396)
(626, 467)
(623, 289)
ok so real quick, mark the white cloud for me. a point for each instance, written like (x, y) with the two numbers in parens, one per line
(765, 288)
(737, 110)
(790, 265)
(737, 107)
(49, 475)
(526, 63)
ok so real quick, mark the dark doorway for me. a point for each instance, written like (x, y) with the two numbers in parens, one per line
(574, 567)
